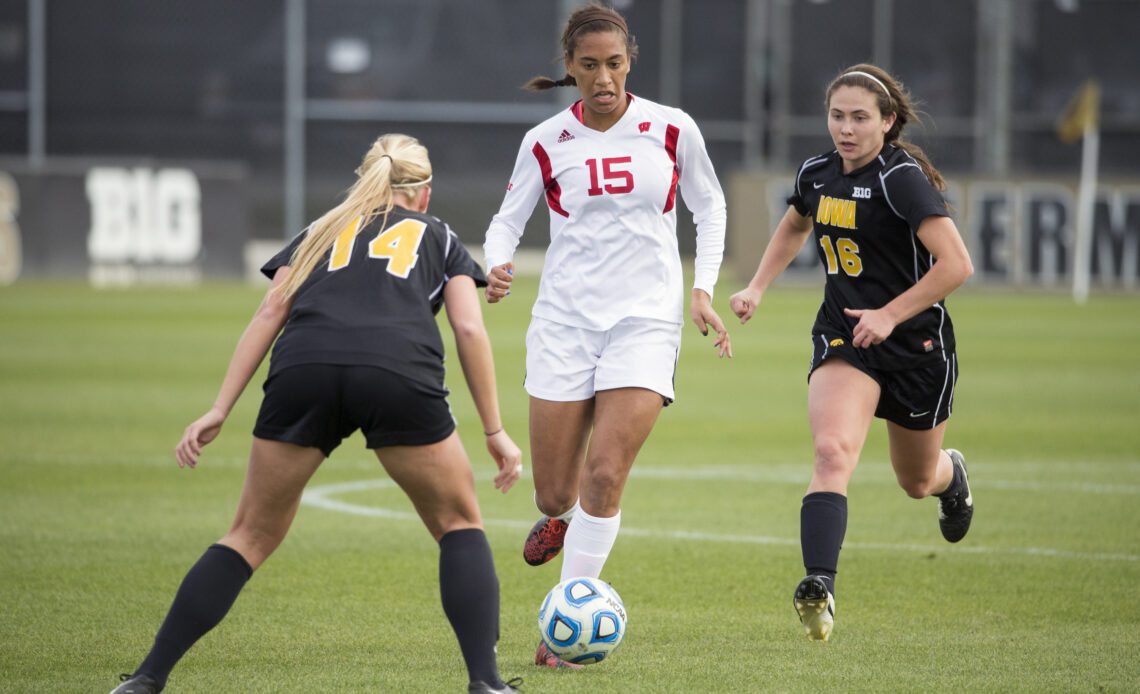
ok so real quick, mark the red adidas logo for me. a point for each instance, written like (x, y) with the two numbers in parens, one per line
(565, 136)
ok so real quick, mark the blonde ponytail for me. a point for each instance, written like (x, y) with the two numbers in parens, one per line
(393, 161)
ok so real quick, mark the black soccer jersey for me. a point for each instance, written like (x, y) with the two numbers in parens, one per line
(865, 225)
(372, 299)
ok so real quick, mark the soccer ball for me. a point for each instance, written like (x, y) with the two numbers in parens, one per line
(582, 620)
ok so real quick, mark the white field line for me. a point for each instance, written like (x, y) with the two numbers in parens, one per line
(785, 473)
(321, 497)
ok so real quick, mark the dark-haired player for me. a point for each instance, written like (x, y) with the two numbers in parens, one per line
(882, 344)
(606, 329)
(352, 309)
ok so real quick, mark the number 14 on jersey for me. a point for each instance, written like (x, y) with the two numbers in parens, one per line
(399, 244)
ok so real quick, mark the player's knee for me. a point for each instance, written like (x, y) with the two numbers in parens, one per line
(451, 524)
(834, 457)
(252, 544)
(555, 502)
(601, 492)
(917, 487)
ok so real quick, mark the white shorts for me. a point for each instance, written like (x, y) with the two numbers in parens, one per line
(565, 363)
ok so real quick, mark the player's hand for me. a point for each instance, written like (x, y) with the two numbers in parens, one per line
(499, 282)
(200, 432)
(508, 457)
(874, 326)
(744, 303)
(704, 317)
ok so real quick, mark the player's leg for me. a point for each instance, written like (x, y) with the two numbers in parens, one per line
(559, 433)
(841, 403)
(560, 364)
(623, 419)
(437, 478)
(923, 468)
(916, 404)
(634, 380)
(274, 481)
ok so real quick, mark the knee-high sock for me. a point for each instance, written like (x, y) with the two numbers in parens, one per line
(589, 540)
(203, 599)
(469, 590)
(823, 523)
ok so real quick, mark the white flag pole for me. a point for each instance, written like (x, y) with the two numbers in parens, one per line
(1086, 194)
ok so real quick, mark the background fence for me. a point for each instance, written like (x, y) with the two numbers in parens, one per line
(132, 124)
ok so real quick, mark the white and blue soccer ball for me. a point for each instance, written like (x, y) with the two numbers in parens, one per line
(582, 620)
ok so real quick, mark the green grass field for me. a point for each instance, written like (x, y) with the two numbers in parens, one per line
(98, 524)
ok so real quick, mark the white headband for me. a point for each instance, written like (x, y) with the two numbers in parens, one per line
(870, 77)
(413, 184)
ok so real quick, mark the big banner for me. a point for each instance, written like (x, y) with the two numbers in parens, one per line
(114, 224)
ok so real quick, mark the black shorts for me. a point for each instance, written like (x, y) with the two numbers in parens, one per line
(319, 405)
(919, 398)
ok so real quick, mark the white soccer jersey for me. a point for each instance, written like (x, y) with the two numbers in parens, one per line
(613, 219)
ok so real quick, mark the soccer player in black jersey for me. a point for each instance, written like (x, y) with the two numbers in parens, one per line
(352, 309)
(882, 343)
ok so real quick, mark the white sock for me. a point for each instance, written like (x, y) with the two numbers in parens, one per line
(589, 540)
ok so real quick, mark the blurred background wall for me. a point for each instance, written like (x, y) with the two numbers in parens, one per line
(152, 140)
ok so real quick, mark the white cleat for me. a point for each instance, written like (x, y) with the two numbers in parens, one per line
(816, 607)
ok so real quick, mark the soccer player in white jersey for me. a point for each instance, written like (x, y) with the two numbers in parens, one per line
(606, 328)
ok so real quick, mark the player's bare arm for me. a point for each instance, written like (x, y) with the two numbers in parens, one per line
(952, 269)
(251, 349)
(791, 234)
(461, 300)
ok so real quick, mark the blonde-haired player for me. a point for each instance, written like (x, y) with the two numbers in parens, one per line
(352, 310)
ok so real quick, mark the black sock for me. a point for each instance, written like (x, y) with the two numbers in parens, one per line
(469, 590)
(823, 523)
(203, 599)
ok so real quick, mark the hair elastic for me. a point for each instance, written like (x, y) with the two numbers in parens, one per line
(870, 77)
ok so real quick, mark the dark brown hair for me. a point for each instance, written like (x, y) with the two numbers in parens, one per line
(891, 97)
(589, 19)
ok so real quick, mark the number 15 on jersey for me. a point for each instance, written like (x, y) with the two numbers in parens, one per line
(617, 180)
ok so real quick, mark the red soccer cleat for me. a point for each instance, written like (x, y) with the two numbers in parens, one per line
(544, 657)
(544, 541)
